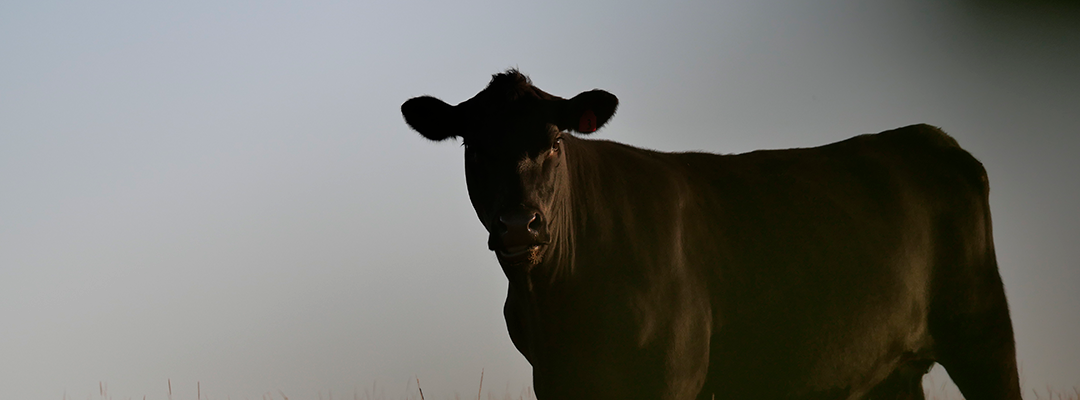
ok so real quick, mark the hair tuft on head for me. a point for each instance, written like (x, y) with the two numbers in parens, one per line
(511, 85)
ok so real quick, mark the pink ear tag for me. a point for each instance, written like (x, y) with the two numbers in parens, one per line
(587, 123)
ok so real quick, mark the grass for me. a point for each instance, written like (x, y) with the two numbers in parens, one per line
(934, 391)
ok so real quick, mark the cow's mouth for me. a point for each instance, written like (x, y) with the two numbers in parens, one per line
(518, 254)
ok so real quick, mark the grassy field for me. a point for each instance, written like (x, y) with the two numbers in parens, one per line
(942, 391)
(936, 385)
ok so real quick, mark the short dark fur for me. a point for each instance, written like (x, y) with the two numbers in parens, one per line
(838, 272)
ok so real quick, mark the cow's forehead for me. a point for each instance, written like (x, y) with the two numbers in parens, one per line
(509, 113)
(507, 123)
(509, 90)
(511, 136)
(516, 109)
(512, 85)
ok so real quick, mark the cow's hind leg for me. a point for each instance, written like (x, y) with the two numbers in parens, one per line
(973, 336)
(969, 317)
(905, 383)
(979, 354)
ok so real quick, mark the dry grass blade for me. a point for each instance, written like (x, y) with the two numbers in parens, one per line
(481, 384)
(419, 389)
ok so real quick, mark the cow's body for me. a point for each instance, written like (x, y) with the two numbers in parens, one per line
(838, 272)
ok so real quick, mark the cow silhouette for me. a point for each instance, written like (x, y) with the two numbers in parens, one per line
(837, 272)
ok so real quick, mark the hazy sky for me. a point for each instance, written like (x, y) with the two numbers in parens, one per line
(226, 193)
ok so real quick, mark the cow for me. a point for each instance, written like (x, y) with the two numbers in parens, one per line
(837, 272)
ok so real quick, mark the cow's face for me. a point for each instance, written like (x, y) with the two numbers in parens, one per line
(516, 146)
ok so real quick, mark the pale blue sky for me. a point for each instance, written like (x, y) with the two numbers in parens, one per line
(225, 192)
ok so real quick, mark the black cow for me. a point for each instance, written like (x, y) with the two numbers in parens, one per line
(837, 272)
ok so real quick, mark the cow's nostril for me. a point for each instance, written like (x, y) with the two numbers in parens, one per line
(520, 227)
(535, 222)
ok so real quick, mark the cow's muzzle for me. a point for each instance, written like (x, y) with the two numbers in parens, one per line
(518, 236)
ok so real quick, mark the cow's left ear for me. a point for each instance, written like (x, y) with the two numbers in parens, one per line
(433, 118)
(587, 112)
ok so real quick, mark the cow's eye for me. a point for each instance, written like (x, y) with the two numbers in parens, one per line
(557, 144)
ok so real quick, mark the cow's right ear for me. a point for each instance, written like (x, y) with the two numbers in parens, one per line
(433, 118)
(586, 112)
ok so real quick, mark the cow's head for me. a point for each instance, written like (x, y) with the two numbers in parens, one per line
(516, 158)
